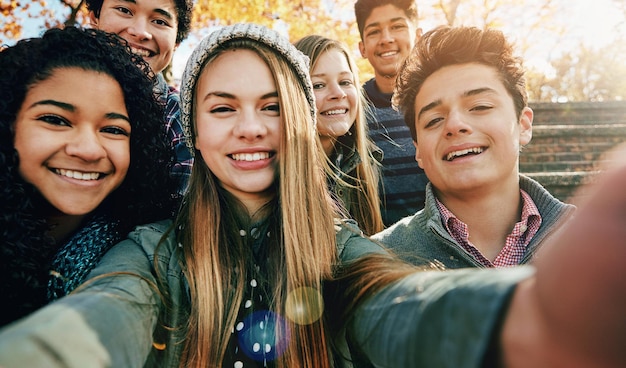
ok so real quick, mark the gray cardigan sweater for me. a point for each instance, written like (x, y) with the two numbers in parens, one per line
(422, 237)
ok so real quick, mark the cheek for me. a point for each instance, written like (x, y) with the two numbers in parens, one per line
(110, 23)
(167, 42)
(31, 148)
(120, 156)
(204, 135)
(353, 101)
(319, 100)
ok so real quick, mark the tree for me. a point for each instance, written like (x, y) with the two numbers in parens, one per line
(583, 75)
(16, 12)
(541, 30)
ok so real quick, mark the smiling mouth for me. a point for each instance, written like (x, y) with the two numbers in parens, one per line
(465, 152)
(388, 53)
(257, 156)
(335, 112)
(78, 175)
(142, 52)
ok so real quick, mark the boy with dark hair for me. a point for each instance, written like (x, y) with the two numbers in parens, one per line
(388, 31)
(154, 29)
(464, 99)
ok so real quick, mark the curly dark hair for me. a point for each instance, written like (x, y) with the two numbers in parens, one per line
(184, 10)
(147, 193)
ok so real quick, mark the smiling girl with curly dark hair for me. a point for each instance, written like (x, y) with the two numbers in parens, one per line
(83, 159)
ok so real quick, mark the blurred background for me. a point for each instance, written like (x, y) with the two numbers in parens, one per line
(575, 50)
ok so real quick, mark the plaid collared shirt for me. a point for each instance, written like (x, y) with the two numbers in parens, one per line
(169, 96)
(516, 242)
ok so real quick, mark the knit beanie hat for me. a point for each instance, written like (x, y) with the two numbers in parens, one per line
(298, 61)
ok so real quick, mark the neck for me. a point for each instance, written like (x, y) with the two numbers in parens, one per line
(489, 219)
(62, 226)
(385, 83)
(328, 144)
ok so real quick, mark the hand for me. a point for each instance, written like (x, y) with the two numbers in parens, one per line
(572, 313)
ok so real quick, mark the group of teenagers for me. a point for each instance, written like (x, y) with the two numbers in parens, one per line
(274, 213)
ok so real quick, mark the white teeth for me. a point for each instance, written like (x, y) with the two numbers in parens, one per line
(250, 156)
(336, 112)
(388, 53)
(140, 52)
(78, 175)
(454, 154)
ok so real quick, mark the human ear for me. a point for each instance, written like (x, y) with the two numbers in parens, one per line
(93, 20)
(526, 126)
(417, 155)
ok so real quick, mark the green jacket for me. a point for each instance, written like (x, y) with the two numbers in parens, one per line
(429, 319)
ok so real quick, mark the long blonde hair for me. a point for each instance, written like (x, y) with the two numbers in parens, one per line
(366, 207)
(306, 251)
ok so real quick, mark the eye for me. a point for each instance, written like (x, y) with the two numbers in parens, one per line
(432, 122)
(481, 108)
(273, 108)
(373, 32)
(346, 82)
(161, 22)
(54, 120)
(318, 85)
(115, 130)
(399, 26)
(124, 10)
(221, 109)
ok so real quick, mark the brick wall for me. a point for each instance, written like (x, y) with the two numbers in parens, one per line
(569, 141)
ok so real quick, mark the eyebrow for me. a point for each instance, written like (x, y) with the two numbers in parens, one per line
(377, 24)
(472, 92)
(71, 108)
(319, 75)
(62, 105)
(115, 116)
(233, 97)
(163, 12)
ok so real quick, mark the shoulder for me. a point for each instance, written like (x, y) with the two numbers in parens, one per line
(542, 198)
(352, 243)
(405, 227)
(155, 237)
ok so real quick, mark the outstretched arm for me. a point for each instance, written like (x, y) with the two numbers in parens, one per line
(568, 311)
(106, 323)
(572, 313)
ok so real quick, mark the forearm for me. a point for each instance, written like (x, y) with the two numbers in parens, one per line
(434, 319)
(82, 330)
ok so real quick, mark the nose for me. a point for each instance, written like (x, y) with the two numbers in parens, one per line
(456, 124)
(386, 36)
(250, 126)
(86, 145)
(139, 29)
(335, 91)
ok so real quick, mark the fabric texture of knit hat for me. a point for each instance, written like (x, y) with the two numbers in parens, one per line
(298, 61)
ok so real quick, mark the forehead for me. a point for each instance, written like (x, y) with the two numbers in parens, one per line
(385, 14)
(456, 81)
(240, 70)
(332, 59)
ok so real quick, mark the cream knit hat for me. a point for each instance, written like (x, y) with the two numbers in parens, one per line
(211, 43)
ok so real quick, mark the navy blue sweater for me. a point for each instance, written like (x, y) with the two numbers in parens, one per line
(403, 181)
